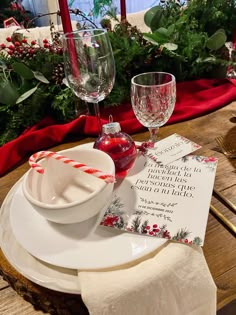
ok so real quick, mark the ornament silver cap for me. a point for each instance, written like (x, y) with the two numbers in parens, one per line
(112, 127)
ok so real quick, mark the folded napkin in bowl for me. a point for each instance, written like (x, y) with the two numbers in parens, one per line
(176, 281)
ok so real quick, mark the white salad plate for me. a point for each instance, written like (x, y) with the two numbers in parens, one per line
(51, 254)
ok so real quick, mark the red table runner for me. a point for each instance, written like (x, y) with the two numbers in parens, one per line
(194, 98)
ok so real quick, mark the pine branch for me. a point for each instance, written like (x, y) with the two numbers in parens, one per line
(135, 224)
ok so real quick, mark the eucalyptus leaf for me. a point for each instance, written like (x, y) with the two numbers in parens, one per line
(152, 38)
(220, 30)
(170, 46)
(152, 13)
(162, 35)
(3, 65)
(170, 29)
(25, 95)
(8, 93)
(40, 77)
(216, 41)
(211, 59)
(153, 18)
(23, 70)
(163, 31)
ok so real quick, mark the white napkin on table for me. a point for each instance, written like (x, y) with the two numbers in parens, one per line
(176, 281)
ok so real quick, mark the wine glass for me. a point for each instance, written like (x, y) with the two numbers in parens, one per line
(89, 65)
(153, 96)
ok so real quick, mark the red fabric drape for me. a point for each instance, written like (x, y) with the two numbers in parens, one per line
(194, 98)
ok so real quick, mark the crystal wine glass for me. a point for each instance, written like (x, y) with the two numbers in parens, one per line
(153, 96)
(89, 65)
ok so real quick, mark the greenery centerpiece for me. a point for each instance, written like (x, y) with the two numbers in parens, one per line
(186, 40)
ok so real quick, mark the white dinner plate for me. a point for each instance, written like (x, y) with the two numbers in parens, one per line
(83, 246)
(48, 276)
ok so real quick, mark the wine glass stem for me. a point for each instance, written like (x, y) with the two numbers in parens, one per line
(97, 113)
(153, 134)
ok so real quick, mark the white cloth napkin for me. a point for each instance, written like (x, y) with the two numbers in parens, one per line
(175, 281)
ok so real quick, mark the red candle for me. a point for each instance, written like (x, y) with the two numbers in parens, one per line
(123, 10)
(67, 28)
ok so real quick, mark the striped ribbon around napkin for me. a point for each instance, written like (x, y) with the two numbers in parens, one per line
(175, 280)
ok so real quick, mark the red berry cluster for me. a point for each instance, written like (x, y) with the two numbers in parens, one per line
(156, 231)
(23, 50)
(20, 49)
(152, 231)
(53, 48)
(186, 241)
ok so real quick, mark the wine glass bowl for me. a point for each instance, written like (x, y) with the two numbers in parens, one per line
(153, 97)
(89, 65)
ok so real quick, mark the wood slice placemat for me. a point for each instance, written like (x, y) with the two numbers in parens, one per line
(46, 300)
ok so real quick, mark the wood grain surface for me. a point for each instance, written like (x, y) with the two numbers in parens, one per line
(220, 243)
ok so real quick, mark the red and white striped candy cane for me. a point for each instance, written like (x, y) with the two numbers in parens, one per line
(82, 167)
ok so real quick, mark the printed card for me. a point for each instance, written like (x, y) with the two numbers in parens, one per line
(172, 148)
(169, 201)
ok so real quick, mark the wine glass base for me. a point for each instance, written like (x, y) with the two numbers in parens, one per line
(153, 134)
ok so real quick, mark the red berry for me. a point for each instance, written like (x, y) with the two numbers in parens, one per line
(10, 52)
(186, 240)
(11, 47)
(31, 51)
(46, 45)
(8, 39)
(151, 233)
(59, 51)
(147, 227)
(154, 226)
(24, 40)
(17, 44)
(33, 42)
(45, 41)
(3, 46)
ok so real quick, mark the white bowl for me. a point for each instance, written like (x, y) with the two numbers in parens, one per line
(64, 194)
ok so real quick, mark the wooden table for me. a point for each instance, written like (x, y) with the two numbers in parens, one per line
(220, 244)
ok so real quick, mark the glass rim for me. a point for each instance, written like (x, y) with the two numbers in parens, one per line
(153, 72)
(69, 34)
